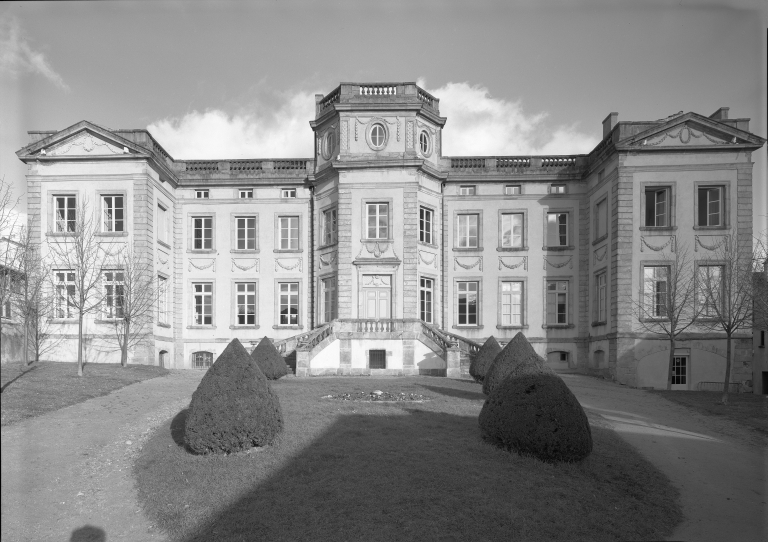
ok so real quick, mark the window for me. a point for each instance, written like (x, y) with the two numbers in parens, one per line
(289, 303)
(203, 233)
(378, 135)
(710, 206)
(5, 310)
(377, 359)
(65, 294)
(289, 232)
(424, 142)
(246, 232)
(467, 230)
(65, 213)
(201, 194)
(246, 193)
(203, 303)
(513, 190)
(512, 230)
(328, 144)
(162, 299)
(601, 219)
(330, 227)
(762, 339)
(511, 303)
(425, 299)
(163, 229)
(602, 297)
(112, 212)
(425, 225)
(600, 175)
(679, 370)
(246, 303)
(328, 299)
(655, 291)
(557, 302)
(710, 283)
(557, 357)
(557, 189)
(114, 295)
(288, 193)
(202, 360)
(378, 220)
(657, 207)
(467, 303)
(467, 190)
(557, 229)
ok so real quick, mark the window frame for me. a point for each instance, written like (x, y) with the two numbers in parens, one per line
(524, 237)
(428, 151)
(102, 194)
(456, 239)
(642, 295)
(278, 233)
(389, 202)
(468, 190)
(54, 222)
(600, 306)
(558, 189)
(245, 193)
(322, 308)
(596, 224)
(698, 266)
(163, 290)
(191, 235)
(202, 193)
(104, 283)
(71, 310)
(725, 204)
(333, 212)
(369, 134)
(288, 193)
(422, 238)
(234, 228)
(568, 232)
(163, 224)
(479, 292)
(569, 300)
(192, 323)
(299, 308)
(235, 294)
(513, 186)
(431, 290)
(671, 188)
(523, 302)
(193, 360)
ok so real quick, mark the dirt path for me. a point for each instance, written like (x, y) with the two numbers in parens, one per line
(72, 468)
(719, 466)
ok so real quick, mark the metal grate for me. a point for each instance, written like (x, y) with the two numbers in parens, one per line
(202, 360)
(377, 359)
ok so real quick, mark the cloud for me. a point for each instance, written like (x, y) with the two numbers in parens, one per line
(17, 57)
(479, 124)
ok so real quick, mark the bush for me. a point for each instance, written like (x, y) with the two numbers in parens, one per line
(269, 360)
(518, 358)
(537, 414)
(233, 408)
(484, 358)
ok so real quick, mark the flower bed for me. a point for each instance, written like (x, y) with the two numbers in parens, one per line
(379, 397)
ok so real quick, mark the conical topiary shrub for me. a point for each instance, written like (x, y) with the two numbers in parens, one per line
(269, 360)
(517, 358)
(537, 414)
(233, 408)
(484, 358)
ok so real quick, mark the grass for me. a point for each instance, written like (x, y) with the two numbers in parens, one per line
(745, 408)
(46, 386)
(346, 470)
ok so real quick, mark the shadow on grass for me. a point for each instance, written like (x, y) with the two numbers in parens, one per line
(453, 392)
(177, 428)
(2, 389)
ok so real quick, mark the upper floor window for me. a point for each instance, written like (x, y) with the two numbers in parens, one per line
(202, 233)
(557, 189)
(467, 234)
(65, 294)
(289, 232)
(467, 300)
(114, 295)
(512, 230)
(657, 207)
(655, 291)
(289, 303)
(467, 190)
(162, 299)
(163, 224)
(246, 303)
(557, 302)
(246, 193)
(512, 303)
(112, 212)
(425, 225)
(512, 190)
(288, 193)
(330, 227)
(557, 229)
(377, 220)
(710, 203)
(246, 232)
(601, 219)
(201, 194)
(378, 135)
(424, 142)
(203, 303)
(66, 213)
(425, 299)
(602, 297)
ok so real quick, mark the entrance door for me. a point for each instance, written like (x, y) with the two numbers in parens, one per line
(377, 303)
(680, 373)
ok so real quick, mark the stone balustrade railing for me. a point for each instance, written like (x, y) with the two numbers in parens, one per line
(295, 167)
(515, 164)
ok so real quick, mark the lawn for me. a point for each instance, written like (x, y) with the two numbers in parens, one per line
(345, 470)
(45, 386)
(745, 408)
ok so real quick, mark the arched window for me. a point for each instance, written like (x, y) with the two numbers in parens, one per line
(377, 135)
(202, 360)
(424, 142)
(162, 360)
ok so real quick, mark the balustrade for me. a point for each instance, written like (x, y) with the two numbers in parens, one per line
(331, 99)
(557, 161)
(378, 90)
(467, 163)
(203, 165)
(513, 162)
(290, 164)
(425, 97)
(245, 166)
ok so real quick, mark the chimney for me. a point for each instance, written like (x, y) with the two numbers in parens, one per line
(720, 114)
(609, 123)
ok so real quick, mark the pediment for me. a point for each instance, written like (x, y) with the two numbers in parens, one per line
(85, 143)
(690, 130)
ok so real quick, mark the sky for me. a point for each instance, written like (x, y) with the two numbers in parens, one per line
(238, 79)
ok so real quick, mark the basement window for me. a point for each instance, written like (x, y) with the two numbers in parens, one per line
(377, 359)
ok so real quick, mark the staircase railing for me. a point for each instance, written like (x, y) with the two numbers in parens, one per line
(292, 343)
(465, 345)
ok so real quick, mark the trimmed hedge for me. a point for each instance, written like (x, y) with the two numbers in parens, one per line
(518, 358)
(484, 358)
(233, 408)
(537, 414)
(269, 360)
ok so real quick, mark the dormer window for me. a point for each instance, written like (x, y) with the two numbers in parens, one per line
(288, 193)
(246, 194)
(557, 189)
(467, 190)
(201, 194)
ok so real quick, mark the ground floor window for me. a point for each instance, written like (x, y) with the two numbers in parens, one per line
(328, 299)
(425, 299)
(511, 303)
(114, 293)
(377, 359)
(557, 302)
(467, 303)
(289, 303)
(680, 370)
(203, 303)
(246, 303)
(65, 294)
(202, 360)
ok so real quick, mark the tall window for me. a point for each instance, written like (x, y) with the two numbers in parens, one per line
(425, 225)
(328, 297)
(246, 303)
(557, 229)
(557, 302)
(246, 232)
(246, 193)
(655, 290)
(512, 230)
(114, 295)
(112, 212)
(378, 220)
(289, 303)
(511, 303)
(163, 229)
(289, 232)
(710, 283)
(657, 207)
(203, 232)
(467, 230)
(65, 213)
(330, 227)
(425, 299)
(710, 206)
(467, 190)
(467, 303)
(162, 299)
(201, 194)
(602, 297)
(601, 219)
(512, 190)
(65, 294)
(203, 303)
(680, 370)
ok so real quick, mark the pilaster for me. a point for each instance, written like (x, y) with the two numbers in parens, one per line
(410, 252)
(345, 267)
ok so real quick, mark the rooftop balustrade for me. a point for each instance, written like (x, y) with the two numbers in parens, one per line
(515, 164)
(384, 93)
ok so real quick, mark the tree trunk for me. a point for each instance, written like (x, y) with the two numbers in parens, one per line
(80, 345)
(727, 369)
(26, 341)
(124, 349)
(671, 362)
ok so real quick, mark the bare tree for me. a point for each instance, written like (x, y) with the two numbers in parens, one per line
(130, 299)
(9, 247)
(666, 306)
(78, 256)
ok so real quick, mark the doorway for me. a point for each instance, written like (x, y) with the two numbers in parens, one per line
(377, 303)
(680, 373)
